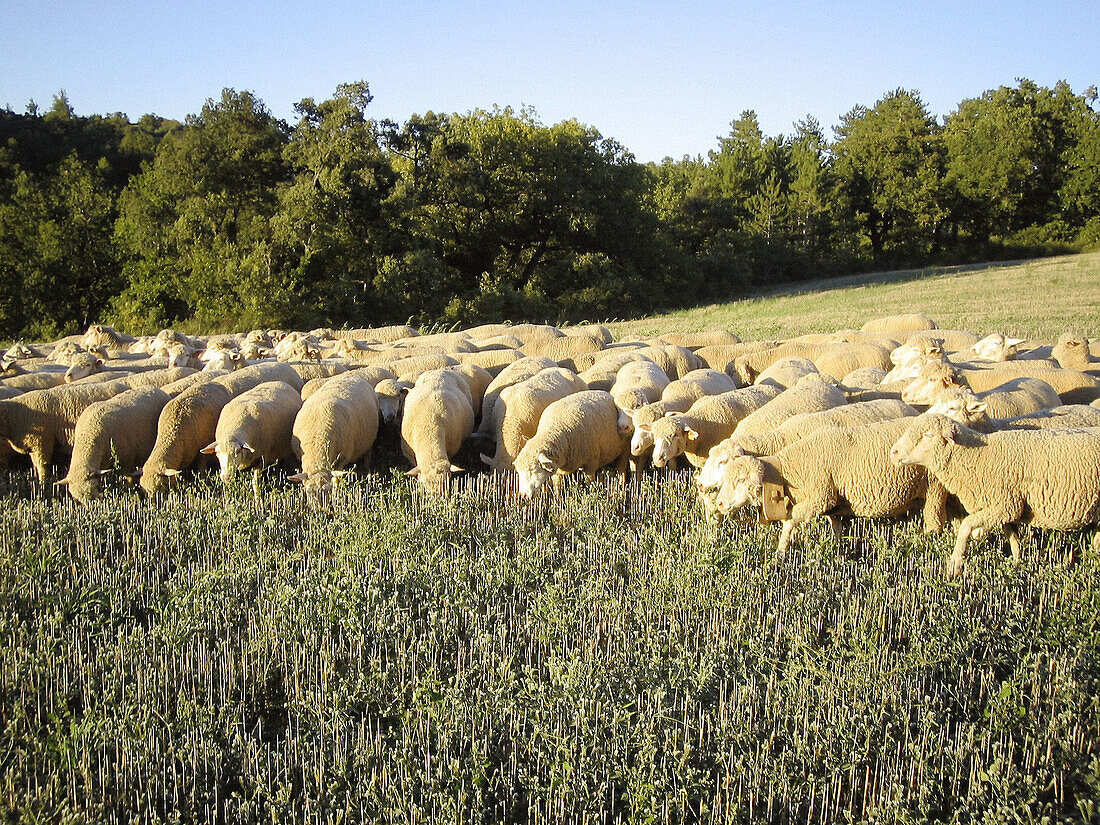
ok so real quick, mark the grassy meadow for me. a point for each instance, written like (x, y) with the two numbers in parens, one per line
(602, 654)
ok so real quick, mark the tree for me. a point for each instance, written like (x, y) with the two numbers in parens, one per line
(889, 166)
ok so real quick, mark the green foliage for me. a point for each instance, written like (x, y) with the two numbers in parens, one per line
(600, 654)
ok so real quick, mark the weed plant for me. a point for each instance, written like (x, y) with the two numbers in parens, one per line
(599, 655)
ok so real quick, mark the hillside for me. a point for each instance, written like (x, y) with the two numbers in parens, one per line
(1040, 298)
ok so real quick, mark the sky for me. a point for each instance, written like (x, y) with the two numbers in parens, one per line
(664, 79)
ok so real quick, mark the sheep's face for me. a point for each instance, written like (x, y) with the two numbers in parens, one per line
(642, 439)
(391, 400)
(924, 436)
(86, 489)
(533, 472)
(1071, 351)
(626, 423)
(234, 456)
(995, 347)
(716, 467)
(961, 406)
(926, 388)
(81, 366)
(157, 483)
(222, 360)
(18, 351)
(436, 476)
(671, 437)
(744, 480)
(63, 353)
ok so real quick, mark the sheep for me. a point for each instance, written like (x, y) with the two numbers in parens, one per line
(678, 396)
(811, 394)
(517, 412)
(638, 383)
(578, 432)
(1072, 353)
(836, 360)
(534, 333)
(677, 362)
(498, 342)
(996, 347)
(707, 422)
(786, 372)
(1073, 387)
(82, 365)
(409, 369)
(477, 381)
(254, 428)
(601, 375)
(484, 332)
(101, 335)
(220, 359)
(19, 352)
(597, 330)
(833, 471)
(382, 334)
(1017, 397)
(334, 428)
(186, 424)
(515, 372)
(899, 323)
(1048, 478)
(908, 358)
(300, 350)
(449, 342)
(39, 422)
(308, 370)
(967, 409)
(391, 399)
(41, 379)
(865, 378)
(116, 434)
(564, 349)
(932, 379)
(724, 356)
(799, 426)
(706, 338)
(494, 360)
(438, 417)
(63, 352)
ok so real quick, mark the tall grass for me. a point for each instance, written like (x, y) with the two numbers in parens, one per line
(599, 655)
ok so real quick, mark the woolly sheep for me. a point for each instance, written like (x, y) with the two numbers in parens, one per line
(706, 338)
(578, 432)
(493, 361)
(254, 428)
(515, 372)
(677, 397)
(708, 421)
(409, 369)
(811, 394)
(63, 352)
(899, 323)
(391, 394)
(1073, 387)
(334, 428)
(114, 434)
(102, 335)
(601, 375)
(596, 330)
(836, 360)
(638, 383)
(995, 347)
(40, 422)
(967, 409)
(1048, 478)
(786, 372)
(1017, 397)
(383, 334)
(864, 378)
(677, 362)
(186, 424)
(563, 350)
(477, 381)
(438, 417)
(517, 412)
(723, 357)
(41, 379)
(833, 471)
(1072, 353)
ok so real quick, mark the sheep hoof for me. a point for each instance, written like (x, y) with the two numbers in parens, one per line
(956, 567)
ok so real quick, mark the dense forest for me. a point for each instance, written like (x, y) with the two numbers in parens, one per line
(236, 219)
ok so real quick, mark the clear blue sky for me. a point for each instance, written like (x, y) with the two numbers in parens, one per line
(662, 78)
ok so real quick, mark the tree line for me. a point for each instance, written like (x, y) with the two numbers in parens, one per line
(237, 219)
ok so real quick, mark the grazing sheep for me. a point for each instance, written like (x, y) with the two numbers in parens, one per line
(186, 424)
(597, 330)
(677, 362)
(708, 421)
(831, 472)
(517, 411)
(836, 360)
(381, 334)
(409, 369)
(1073, 387)
(638, 383)
(996, 347)
(515, 372)
(477, 381)
(334, 428)
(40, 422)
(799, 426)
(438, 417)
(677, 397)
(786, 372)
(697, 340)
(578, 432)
(254, 428)
(113, 435)
(811, 394)
(907, 322)
(391, 399)
(1017, 397)
(1048, 478)
(967, 409)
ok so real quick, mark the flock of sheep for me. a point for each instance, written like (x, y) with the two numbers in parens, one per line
(874, 422)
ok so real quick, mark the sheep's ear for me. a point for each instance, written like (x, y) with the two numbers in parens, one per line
(1014, 342)
(170, 472)
(488, 462)
(102, 473)
(974, 405)
(691, 434)
(547, 463)
(210, 448)
(298, 477)
(244, 445)
(456, 469)
(413, 473)
(99, 362)
(630, 413)
(62, 482)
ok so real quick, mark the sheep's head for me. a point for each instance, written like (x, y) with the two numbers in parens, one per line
(435, 475)
(234, 455)
(927, 433)
(743, 484)
(713, 472)
(85, 487)
(919, 350)
(258, 336)
(64, 352)
(961, 405)
(996, 347)
(391, 395)
(745, 370)
(1072, 352)
(533, 470)
(158, 482)
(642, 420)
(82, 365)
(672, 435)
(222, 360)
(933, 379)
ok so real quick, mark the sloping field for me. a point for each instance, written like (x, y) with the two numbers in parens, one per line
(1038, 299)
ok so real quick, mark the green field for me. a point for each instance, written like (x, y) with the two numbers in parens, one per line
(602, 654)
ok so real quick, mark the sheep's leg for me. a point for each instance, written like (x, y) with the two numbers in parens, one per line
(256, 484)
(984, 520)
(837, 527)
(934, 513)
(785, 538)
(1013, 542)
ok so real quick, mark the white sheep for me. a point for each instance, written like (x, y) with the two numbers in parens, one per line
(517, 412)
(995, 347)
(1048, 478)
(391, 399)
(708, 421)
(965, 408)
(335, 428)
(1072, 353)
(438, 417)
(1014, 398)
(786, 372)
(831, 472)
(515, 372)
(638, 383)
(810, 394)
(899, 323)
(578, 432)
(678, 396)
(254, 428)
